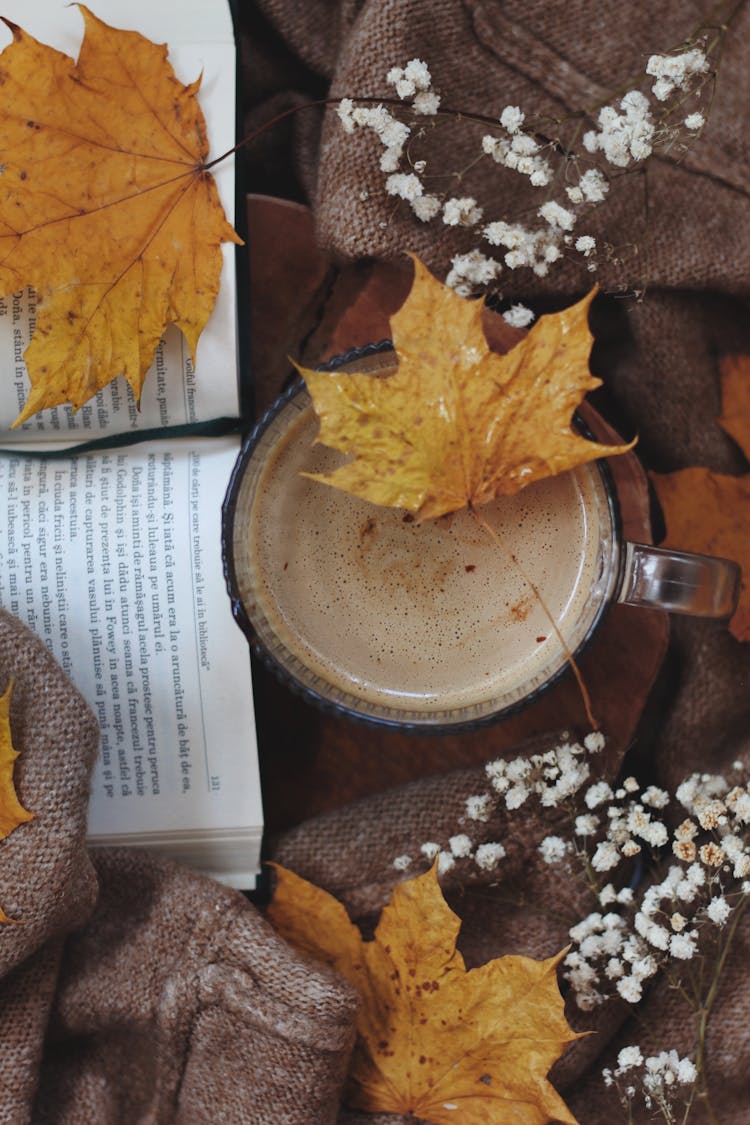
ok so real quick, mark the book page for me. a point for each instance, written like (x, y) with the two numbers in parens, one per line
(114, 560)
(177, 390)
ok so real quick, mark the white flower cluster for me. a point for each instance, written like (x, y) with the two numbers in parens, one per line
(486, 856)
(471, 271)
(626, 136)
(667, 923)
(521, 153)
(414, 81)
(393, 134)
(675, 72)
(518, 316)
(553, 777)
(661, 1079)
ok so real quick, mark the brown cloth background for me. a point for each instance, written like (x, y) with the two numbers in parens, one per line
(137, 991)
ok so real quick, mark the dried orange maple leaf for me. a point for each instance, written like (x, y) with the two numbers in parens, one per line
(710, 512)
(456, 423)
(12, 812)
(106, 208)
(432, 1037)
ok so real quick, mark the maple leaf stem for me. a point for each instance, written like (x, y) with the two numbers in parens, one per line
(446, 111)
(586, 698)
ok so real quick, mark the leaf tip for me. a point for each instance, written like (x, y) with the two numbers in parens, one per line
(14, 29)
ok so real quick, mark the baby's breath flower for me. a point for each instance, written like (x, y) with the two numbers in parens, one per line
(674, 72)
(414, 76)
(645, 967)
(626, 136)
(479, 807)
(402, 862)
(652, 932)
(685, 850)
(512, 118)
(710, 813)
(557, 216)
(607, 895)
(516, 796)
(588, 925)
(630, 989)
(405, 184)
(460, 845)
(344, 111)
(430, 849)
(741, 806)
(695, 875)
(742, 866)
(605, 857)
(629, 1057)
(585, 245)
(467, 271)
(416, 71)
(426, 207)
(593, 185)
(553, 849)
(655, 798)
(597, 794)
(694, 121)
(461, 212)
(594, 742)
(586, 825)
(655, 834)
(445, 862)
(678, 922)
(488, 855)
(683, 945)
(718, 910)
(518, 316)
(712, 855)
(518, 768)
(427, 103)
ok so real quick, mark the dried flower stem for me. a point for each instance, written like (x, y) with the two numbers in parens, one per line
(593, 724)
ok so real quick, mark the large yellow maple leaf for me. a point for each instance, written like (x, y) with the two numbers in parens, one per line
(709, 512)
(106, 208)
(432, 1037)
(458, 424)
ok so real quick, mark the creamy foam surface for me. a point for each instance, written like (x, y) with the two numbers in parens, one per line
(420, 616)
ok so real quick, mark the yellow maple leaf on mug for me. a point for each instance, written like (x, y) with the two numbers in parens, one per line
(457, 424)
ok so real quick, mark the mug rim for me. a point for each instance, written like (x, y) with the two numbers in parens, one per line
(334, 707)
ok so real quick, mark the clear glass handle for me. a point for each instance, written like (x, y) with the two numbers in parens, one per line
(679, 582)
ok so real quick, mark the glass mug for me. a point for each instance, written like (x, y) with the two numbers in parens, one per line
(432, 626)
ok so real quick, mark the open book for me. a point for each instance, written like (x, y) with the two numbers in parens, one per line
(114, 556)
